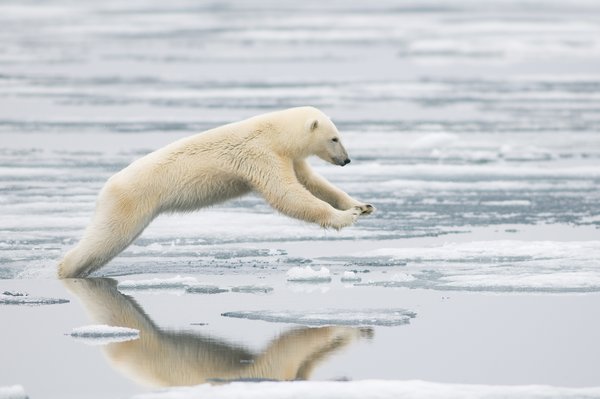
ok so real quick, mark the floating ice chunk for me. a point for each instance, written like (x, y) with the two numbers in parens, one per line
(11, 299)
(253, 289)
(205, 289)
(102, 334)
(176, 282)
(13, 392)
(350, 276)
(308, 274)
(382, 389)
(326, 317)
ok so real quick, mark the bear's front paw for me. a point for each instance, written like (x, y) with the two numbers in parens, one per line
(346, 218)
(366, 209)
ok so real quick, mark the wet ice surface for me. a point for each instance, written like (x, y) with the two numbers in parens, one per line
(472, 127)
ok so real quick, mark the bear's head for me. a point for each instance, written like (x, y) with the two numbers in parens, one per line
(326, 141)
(302, 132)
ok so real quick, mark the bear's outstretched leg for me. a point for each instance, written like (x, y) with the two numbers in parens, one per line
(118, 220)
(326, 191)
(282, 190)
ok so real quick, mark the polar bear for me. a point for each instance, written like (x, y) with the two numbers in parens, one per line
(266, 154)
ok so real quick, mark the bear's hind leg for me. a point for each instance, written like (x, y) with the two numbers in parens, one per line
(113, 227)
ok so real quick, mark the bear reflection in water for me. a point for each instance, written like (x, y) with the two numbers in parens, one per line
(169, 358)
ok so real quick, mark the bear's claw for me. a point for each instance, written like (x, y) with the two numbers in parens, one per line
(366, 209)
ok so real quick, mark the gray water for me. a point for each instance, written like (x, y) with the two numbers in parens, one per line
(472, 127)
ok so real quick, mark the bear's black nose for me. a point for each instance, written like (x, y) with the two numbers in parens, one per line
(346, 161)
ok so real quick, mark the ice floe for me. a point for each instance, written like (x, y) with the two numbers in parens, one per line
(381, 389)
(103, 334)
(308, 274)
(325, 317)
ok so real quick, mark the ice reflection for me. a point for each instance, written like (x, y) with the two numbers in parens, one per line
(167, 358)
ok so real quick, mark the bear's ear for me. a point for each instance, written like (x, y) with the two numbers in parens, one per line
(312, 124)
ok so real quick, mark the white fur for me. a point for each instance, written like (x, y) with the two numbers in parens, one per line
(265, 154)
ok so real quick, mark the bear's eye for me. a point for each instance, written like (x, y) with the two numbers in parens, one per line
(335, 139)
